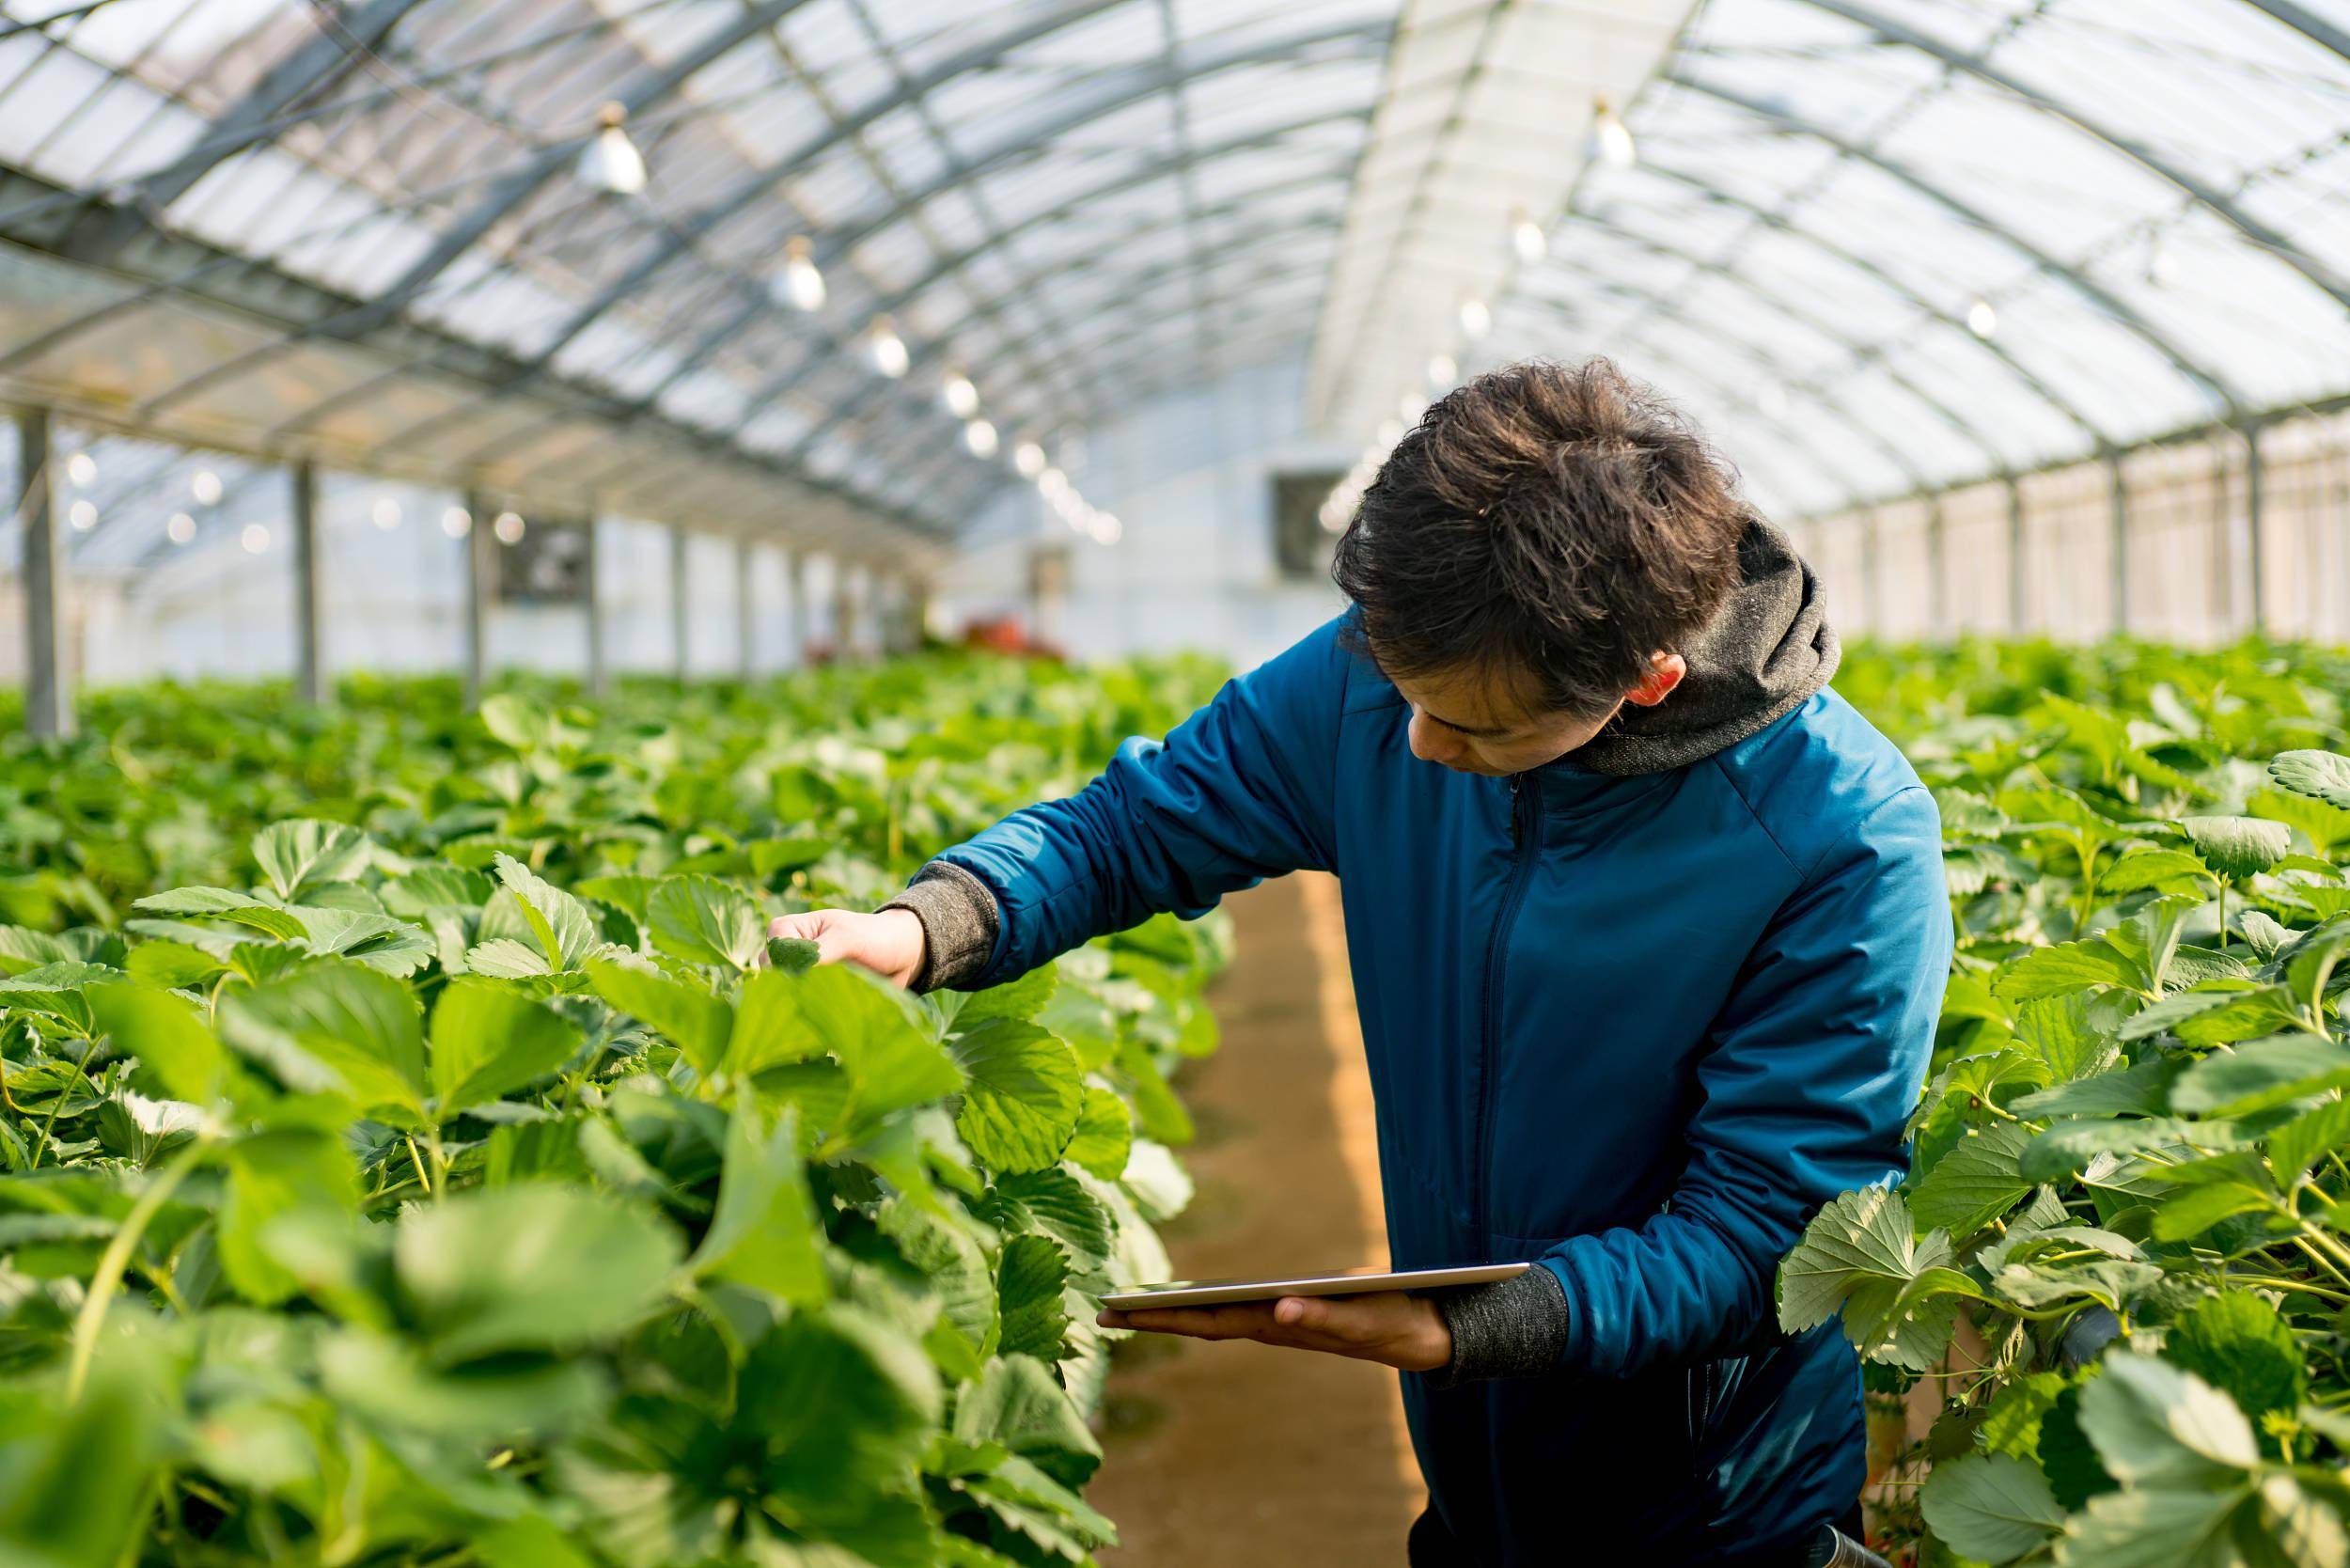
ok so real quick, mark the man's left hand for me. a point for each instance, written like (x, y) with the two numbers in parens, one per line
(1392, 1327)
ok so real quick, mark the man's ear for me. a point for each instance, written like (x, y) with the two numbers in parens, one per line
(1664, 673)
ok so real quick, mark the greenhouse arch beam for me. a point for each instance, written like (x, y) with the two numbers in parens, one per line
(2307, 22)
(510, 191)
(2274, 242)
(1861, 353)
(328, 56)
(678, 241)
(1130, 87)
(1779, 223)
(825, 342)
(2205, 380)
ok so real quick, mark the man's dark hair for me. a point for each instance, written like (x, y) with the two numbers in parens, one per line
(1560, 521)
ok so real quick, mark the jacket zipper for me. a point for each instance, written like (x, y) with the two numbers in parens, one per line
(1523, 844)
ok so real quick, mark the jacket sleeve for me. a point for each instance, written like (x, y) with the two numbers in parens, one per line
(1239, 791)
(1817, 1060)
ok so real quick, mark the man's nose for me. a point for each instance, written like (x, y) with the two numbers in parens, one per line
(1430, 744)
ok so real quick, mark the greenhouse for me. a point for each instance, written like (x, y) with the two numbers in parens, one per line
(1471, 783)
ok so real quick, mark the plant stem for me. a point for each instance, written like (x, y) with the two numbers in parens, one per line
(417, 1160)
(116, 1258)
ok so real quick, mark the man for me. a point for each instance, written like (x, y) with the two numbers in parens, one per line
(1648, 931)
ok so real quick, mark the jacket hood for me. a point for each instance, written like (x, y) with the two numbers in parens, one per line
(1766, 650)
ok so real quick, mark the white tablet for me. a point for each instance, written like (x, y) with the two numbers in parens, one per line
(1348, 1282)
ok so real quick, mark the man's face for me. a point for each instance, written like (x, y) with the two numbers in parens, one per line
(1480, 721)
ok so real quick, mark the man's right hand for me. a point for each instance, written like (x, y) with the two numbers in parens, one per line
(891, 942)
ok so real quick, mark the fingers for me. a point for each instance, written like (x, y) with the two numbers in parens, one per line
(820, 926)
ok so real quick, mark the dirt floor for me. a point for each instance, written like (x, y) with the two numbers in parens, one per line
(1240, 1454)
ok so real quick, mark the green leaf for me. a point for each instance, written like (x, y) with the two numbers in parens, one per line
(2324, 775)
(2132, 1090)
(22, 949)
(1056, 1204)
(561, 927)
(1861, 1256)
(383, 1379)
(1030, 1279)
(299, 852)
(2163, 870)
(768, 1032)
(843, 1401)
(2068, 968)
(1105, 1135)
(336, 1028)
(889, 1062)
(703, 920)
(2155, 1425)
(1976, 1182)
(948, 1257)
(2262, 1073)
(273, 1174)
(765, 1232)
(2153, 1528)
(531, 1266)
(1021, 999)
(1020, 1108)
(229, 904)
(489, 1040)
(689, 1017)
(166, 1036)
(2238, 848)
(1016, 1403)
(2300, 1143)
(1994, 1509)
(2236, 1343)
(2197, 1209)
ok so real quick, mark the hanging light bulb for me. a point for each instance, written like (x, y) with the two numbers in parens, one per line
(253, 537)
(386, 513)
(803, 285)
(82, 514)
(205, 486)
(509, 528)
(1980, 319)
(887, 349)
(1443, 371)
(1611, 138)
(457, 521)
(1107, 529)
(1028, 459)
(1527, 238)
(610, 162)
(1052, 481)
(82, 469)
(980, 436)
(180, 529)
(1477, 317)
(963, 399)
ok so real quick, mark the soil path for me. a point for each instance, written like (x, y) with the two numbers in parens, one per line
(1240, 1454)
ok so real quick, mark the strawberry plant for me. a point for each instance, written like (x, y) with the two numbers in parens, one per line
(2122, 1254)
(412, 1150)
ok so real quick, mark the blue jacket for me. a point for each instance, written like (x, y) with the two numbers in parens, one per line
(1636, 1028)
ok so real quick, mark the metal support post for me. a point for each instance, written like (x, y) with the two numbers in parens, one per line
(2017, 584)
(599, 672)
(2256, 527)
(1872, 574)
(843, 611)
(678, 606)
(48, 696)
(309, 576)
(1937, 571)
(480, 572)
(745, 609)
(2118, 494)
(795, 603)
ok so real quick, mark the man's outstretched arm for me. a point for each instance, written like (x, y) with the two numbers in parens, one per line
(1239, 791)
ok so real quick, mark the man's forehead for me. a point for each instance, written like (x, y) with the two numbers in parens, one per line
(1479, 700)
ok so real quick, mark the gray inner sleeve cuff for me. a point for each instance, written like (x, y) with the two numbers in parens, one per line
(1516, 1329)
(959, 924)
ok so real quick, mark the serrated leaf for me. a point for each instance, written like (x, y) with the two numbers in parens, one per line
(2063, 969)
(337, 1027)
(2236, 1343)
(166, 1035)
(1020, 1107)
(489, 1040)
(2262, 1073)
(689, 1017)
(2322, 775)
(2238, 848)
(1861, 1256)
(1056, 1204)
(765, 1232)
(1029, 1279)
(1105, 1135)
(1991, 1508)
(561, 929)
(703, 920)
(1975, 1181)
(2152, 1528)
(1017, 1403)
(529, 1266)
(301, 851)
(2300, 1143)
